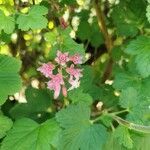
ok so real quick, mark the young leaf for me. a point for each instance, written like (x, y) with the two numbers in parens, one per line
(7, 23)
(10, 81)
(79, 132)
(5, 125)
(27, 134)
(34, 19)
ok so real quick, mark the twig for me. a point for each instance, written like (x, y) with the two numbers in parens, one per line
(102, 25)
(33, 2)
(108, 39)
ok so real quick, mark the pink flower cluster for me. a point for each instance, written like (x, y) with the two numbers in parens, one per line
(66, 72)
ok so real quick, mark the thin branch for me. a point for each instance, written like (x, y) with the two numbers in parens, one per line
(108, 39)
(33, 2)
(102, 25)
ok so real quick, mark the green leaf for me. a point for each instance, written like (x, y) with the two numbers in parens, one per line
(130, 17)
(96, 37)
(10, 81)
(26, 134)
(113, 144)
(51, 37)
(38, 102)
(124, 79)
(66, 44)
(7, 23)
(123, 136)
(141, 142)
(5, 125)
(84, 30)
(140, 48)
(79, 132)
(87, 85)
(107, 96)
(78, 95)
(34, 19)
(128, 98)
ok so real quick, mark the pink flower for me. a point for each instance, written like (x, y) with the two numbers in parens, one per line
(63, 23)
(76, 73)
(64, 91)
(65, 72)
(62, 58)
(55, 84)
(46, 69)
(74, 83)
(76, 59)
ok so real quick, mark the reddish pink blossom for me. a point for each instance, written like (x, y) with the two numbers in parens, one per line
(55, 84)
(76, 59)
(69, 74)
(46, 69)
(76, 73)
(64, 91)
(62, 58)
(75, 83)
(63, 23)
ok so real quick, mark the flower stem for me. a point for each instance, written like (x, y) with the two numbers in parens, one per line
(119, 112)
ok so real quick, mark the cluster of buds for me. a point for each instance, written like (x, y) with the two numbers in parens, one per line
(66, 73)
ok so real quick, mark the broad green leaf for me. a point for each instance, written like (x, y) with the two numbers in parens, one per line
(131, 15)
(84, 30)
(113, 144)
(38, 102)
(10, 81)
(89, 86)
(96, 37)
(107, 96)
(124, 79)
(140, 48)
(26, 134)
(141, 142)
(7, 23)
(128, 98)
(89, 32)
(78, 131)
(34, 19)
(133, 101)
(122, 135)
(78, 95)
(5, 125)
